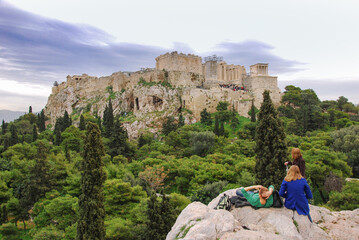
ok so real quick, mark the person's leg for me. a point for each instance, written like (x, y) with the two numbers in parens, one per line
(239, 192)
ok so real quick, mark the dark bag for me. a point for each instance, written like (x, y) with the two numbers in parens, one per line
(238, 201)
(277, 200)
(224, 203)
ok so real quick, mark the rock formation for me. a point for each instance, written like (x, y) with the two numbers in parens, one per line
(178, 82)
(200, 222)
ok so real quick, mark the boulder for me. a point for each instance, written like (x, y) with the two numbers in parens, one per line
(198, 221)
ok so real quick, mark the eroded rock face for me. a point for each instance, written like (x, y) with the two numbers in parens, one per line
(198, 221)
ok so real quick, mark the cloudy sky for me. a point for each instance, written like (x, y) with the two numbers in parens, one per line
(311, 44)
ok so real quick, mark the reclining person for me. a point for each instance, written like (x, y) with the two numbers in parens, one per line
(261, 199)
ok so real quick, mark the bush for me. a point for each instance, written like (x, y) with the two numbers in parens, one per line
(348, 199)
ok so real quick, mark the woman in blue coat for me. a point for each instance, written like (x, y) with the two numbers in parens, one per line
(296, 191)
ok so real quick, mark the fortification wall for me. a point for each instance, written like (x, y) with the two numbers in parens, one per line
(196, 100)
(179, 62)
(258, 84)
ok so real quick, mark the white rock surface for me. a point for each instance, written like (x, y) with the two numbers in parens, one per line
(198, 221)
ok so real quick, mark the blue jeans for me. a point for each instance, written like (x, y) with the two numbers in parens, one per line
(239, 192)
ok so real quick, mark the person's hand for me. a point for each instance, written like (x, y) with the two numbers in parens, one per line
(286, 163)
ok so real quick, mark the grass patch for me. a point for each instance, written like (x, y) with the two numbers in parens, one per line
(184, 230)
(296, 224)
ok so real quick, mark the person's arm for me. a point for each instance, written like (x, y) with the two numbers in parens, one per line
(283, 189)
(250, 197)
(288, 163)
(255, 187)
(307, 191)
(271, 189)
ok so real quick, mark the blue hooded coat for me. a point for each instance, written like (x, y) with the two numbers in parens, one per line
(296, 194)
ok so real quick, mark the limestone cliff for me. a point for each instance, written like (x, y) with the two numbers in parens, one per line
(198, 221)
(152, 94)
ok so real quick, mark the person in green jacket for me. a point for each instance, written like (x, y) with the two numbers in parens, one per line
(261, 199)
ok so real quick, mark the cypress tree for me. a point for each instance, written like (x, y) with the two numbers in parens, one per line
(108, 119)
(216, 126)
(13, 137)
(271, 147)
(58, 138)
(82, 125)
(118, 144)
(221, 130)
(206, 118)
(91, 201)
(34, 133)
(99, 123)
(253, 112)
(41, 121)
(30, 109)
(169, 126)
(180, 121)
(66, 121)
(3, 127)
(155, 225)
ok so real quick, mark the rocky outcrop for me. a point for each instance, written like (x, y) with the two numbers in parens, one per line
(198, 221)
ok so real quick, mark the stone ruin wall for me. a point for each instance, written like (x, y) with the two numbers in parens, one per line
(186, 71)
(196, 99)
(179, 62)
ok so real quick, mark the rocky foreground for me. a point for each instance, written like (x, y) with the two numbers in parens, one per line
(201, 222)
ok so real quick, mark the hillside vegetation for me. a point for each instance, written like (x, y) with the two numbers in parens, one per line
(42, 169)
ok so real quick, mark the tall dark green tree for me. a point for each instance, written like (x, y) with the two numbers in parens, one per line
(108, 119)
(271, 147)
(41, 121)
(180, 121)
(206, 117)
(13, 137)
(82, 125)
(34, 133)
(169, 125)
(40, 179)
(253, 112)
(30, 109)
(67, 122)
(58, 137)
(91, 201)
(3, 127)
(118, 141)
(155, 225)
(216, 129)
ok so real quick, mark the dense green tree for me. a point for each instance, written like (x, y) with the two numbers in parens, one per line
(67, 122)
(216, 129)
(82, 125)
(202, 142)
(13, 137)
(34, 133)
(348, 199)
(271, 147)
(41, 179)
(108, 119)
(341, 102)
(41, 121)
(253, 112)
(181, 121)
(169, 125)
(118, 141)
(347, 140)
(222, 106)
(91, 201)
(30, 109)
(160, 218)
(3, 127)
(58, 138)
(206, 118)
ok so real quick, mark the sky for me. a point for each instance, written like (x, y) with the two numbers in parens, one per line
(310, 44)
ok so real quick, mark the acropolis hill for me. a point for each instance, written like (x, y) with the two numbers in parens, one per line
(179, 82)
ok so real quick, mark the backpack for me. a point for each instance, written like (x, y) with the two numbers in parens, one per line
(224, 203)
(277, 200)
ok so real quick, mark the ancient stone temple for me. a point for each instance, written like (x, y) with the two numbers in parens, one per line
(196, 84)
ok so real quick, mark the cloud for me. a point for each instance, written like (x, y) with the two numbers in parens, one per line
(38, 49)
(328, 89)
